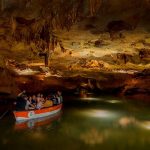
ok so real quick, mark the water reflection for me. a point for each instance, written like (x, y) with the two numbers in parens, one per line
(126, 121)
(37, 134)
(100, 113)
(114, 101)
(90, 99)
(92, 137)
(145, 125)
(34, 123)
(83, 93)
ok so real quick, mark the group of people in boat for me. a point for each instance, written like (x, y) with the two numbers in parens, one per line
(38, 101)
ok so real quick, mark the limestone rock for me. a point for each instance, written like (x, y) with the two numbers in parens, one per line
(147, 42)
(94, 64)
(75, 45)
(144, 53)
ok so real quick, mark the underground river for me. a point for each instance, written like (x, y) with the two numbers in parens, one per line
(91, 122)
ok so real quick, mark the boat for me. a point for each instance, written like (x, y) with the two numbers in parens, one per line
(35, 123)
(36, 113)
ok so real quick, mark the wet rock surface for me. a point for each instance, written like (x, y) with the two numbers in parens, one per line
(119, 84)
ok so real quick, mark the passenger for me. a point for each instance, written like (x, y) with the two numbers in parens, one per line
(49, 97)
(54, 99)
(59, 97)
(30, 99)
(29, 105)
(38, 96)
(39, 103)
(33, 101)
(42, 98)
(48, 103)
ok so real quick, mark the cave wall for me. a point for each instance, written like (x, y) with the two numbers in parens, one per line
(58, 12)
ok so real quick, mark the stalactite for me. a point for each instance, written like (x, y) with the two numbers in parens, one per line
(28, 3)
(94, 6)
(62, 47)
(53, 14)
(13, 25)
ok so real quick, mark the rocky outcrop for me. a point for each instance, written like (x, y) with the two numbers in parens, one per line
(115, 27)
(137, 88)
(109, 83)
(144, 53)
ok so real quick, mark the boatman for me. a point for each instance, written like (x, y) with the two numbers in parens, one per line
(21, 101)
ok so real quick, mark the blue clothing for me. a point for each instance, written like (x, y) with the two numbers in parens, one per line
(33, 102)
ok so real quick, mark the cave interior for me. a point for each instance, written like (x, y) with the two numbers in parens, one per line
(97, 45)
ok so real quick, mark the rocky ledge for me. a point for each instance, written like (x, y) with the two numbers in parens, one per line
(135, 85)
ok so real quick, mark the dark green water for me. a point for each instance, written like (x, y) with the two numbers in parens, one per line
(92, 123)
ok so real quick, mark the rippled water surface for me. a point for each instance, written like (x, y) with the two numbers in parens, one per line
(85, 123)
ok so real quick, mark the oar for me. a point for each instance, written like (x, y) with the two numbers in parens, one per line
(4, 114)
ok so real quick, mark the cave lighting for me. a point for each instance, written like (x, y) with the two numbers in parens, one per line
(26, 71)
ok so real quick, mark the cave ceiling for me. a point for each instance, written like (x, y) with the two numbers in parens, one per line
(36, 8)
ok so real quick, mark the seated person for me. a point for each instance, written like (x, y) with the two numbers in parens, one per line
(48, 103)
(42, 98)
(54, 99)
(59, 98)
(33, 101)
(29, 105)
(39, 103)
